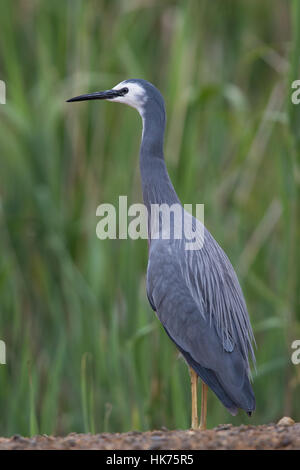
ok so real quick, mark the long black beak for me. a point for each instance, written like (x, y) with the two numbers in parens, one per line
(100, 95)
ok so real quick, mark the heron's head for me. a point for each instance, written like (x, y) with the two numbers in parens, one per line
(136, 93)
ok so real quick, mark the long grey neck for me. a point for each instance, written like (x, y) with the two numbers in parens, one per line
(156, 184)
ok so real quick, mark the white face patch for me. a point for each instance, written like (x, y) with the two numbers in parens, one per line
(136, 96)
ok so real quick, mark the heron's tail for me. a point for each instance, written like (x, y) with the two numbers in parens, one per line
(230, 383)
(233, 400)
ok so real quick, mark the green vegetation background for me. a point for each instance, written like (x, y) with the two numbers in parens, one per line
(84, 350)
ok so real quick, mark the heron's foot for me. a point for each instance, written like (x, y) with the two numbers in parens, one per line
(194, 423)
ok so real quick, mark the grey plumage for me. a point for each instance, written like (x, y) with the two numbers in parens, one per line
(196, 294)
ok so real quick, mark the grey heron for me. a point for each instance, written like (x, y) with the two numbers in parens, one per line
(195, 293)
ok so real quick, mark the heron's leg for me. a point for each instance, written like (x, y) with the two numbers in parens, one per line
(194, 381)
(203, 407)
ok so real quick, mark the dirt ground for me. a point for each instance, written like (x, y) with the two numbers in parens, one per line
(271, 436)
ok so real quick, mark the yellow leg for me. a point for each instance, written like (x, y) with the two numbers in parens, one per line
(194, 381)
(203, 407)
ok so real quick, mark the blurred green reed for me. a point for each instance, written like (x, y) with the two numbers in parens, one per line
(84, 350)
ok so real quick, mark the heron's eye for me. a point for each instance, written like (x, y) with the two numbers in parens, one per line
(124, 91)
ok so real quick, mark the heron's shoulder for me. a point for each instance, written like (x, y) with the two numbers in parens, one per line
(197, 245)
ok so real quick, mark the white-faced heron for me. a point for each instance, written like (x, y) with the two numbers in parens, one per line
(195, 293)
